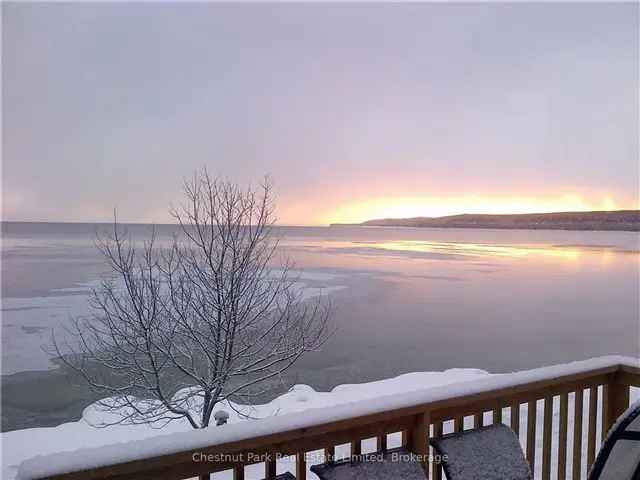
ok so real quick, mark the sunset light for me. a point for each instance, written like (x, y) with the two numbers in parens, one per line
(408, 207)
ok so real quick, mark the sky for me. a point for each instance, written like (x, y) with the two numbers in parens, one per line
(355, 111)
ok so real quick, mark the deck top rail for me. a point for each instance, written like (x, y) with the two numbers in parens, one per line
(418, 415)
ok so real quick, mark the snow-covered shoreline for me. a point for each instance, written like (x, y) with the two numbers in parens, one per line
(20, 445)
(123, 442)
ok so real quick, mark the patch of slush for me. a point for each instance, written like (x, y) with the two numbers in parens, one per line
(27, 323)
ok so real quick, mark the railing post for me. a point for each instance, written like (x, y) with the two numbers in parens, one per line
(577, 435)
(417, 439)
(547, 426)
(381, 442)
(591, 431)
(356, 448)
(238, 472)
(515, 418)
(532, 411)
(330, 454)
(497, 415)
(478, 420)
(437, 466)
(270, 467)
(301, 466)
(615, 402)
(562, 436)
(458, 424)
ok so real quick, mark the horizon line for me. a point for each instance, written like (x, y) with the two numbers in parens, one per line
(104, 222)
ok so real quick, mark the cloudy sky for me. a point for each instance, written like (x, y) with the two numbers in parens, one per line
(355, 111)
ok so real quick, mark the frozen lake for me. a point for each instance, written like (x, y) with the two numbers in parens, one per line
(404, 299)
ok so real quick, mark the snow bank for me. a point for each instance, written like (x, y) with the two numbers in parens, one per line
(301, 407)
(69, 437)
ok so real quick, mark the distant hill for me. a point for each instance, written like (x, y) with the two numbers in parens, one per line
(623, 220)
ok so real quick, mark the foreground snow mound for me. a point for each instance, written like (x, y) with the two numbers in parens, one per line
(304, 407)
(19, 445)
(303, 397)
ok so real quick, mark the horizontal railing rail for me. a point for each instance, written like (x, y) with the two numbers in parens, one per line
(591, 393)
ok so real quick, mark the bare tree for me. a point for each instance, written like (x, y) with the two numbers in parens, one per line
(213, 315)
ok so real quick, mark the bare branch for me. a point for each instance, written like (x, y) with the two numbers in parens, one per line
(177, 329)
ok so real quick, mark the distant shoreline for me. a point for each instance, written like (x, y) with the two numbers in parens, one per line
(620, 220)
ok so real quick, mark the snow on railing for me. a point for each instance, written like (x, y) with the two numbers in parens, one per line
(311, 429)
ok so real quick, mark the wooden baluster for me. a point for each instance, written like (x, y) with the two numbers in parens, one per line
(593, 418)
(478, 420)
(546, 438)
(238, 472)
(381, 442)
(515, 418)
(301, 466)
(330, 454)
(437, 466)
(270, 467)
(458, 424)
(577, 436)
(562, 436)
(603, 414)
(531, 434)
(417, 438)
(497, 415)
(615, 402)
(356, 447)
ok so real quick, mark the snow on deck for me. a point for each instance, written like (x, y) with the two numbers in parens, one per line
(77, 446)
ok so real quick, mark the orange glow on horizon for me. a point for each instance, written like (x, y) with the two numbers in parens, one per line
(408, 207)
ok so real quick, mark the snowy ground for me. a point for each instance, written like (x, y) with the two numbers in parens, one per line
(22, 444)
(19, 445)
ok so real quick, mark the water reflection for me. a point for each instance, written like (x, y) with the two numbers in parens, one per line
(451, 250)
(405, 299)
(477, 249)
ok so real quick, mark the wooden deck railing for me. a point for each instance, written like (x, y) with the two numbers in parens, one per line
(592, 393)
